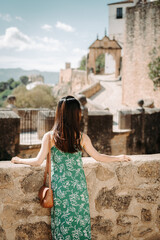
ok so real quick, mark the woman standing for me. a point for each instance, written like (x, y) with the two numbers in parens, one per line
(70, 216)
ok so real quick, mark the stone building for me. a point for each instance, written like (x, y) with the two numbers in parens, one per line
(76, 79)
(36, 78)
(142, 34)
(112, 51)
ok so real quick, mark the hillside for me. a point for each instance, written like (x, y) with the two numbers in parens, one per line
(7, 73)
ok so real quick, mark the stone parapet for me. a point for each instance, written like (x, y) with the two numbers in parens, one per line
(9, 134)
(124, 200)
(91, 90)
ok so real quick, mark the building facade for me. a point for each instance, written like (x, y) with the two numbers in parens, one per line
(116, 19)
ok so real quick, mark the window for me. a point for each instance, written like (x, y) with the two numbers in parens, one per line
(119, 13)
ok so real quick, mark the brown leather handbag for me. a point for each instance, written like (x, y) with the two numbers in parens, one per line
(45, 193)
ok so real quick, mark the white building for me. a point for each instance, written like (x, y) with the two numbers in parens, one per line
(116, 19)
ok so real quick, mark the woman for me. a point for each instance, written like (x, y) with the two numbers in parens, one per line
(70, 216)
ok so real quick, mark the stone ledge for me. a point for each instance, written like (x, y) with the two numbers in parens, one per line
(124, 199)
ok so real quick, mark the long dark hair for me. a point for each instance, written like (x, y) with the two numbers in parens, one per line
(66, 129)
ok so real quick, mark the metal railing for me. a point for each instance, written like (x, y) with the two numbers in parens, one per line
(33, 124)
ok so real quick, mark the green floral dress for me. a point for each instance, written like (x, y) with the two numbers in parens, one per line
(70, 216)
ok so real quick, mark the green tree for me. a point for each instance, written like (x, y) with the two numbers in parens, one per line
(40, 96)
(154, 68)
(3, 86)
(83, 63)
(24, 80)
(100, 63)
(15, 84)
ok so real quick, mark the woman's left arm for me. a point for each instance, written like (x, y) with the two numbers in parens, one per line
(37, 161)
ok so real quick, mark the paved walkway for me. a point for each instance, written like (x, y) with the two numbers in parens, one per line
(110, 96)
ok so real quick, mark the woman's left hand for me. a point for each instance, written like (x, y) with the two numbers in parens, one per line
(124, 158)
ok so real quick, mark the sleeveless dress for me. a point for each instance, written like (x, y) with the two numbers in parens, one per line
(70, 215)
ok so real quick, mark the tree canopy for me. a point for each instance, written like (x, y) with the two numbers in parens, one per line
(83, 63)
(40, 96)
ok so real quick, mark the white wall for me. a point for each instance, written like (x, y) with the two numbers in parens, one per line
(116, 26)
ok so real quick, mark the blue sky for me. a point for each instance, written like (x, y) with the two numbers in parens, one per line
(44, 34)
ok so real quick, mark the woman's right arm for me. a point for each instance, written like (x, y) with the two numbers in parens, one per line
(87, 145)
(40, 157)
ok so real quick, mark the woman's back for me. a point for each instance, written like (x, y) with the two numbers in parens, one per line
(70, 217)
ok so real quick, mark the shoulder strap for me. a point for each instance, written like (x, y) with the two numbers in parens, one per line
(48, 163)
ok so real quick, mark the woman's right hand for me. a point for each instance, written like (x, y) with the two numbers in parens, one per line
(16, 160)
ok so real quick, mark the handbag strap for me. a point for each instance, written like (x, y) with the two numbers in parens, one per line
(48, 163)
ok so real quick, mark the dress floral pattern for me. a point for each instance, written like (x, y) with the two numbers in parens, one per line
(70, 216)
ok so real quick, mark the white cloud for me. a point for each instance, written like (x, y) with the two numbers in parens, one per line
(6, 17)
(80, 51)
(19, 18)
(64, 27)
(47, 27)
(15, 39)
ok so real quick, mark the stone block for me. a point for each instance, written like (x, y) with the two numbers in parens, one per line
(123, 236)
(124, 119)
(150, 170)
(32, 182)
(2, 234)
(103, 173)
(108, 199)
(101, 225)
(147, 195)
(127, 220)
(36, 231)
(141, 231)
(146, 215)
(5, 180)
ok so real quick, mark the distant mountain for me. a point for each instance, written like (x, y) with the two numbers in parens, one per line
(16, 73)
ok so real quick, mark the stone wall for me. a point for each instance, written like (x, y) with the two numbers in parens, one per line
(144, 125)
(100, 130)
(9, 134)
(142, 34)
(77, 78)
(124, 200)
(91, 90)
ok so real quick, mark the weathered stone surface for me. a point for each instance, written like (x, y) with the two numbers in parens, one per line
(2, 234)
(147, 195)
(13, 213)
(146, 215)
(103, 173)
(36, 231)
(108, 198)
(126, 175)
(121, 203)
(5, 180)
(153, 237)
(116, 207)
(101, 225)
(149, 170)
(32, 182)
(104, 199)
(158, 217)
(123, 236)
(127, 220)
(141, 231)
